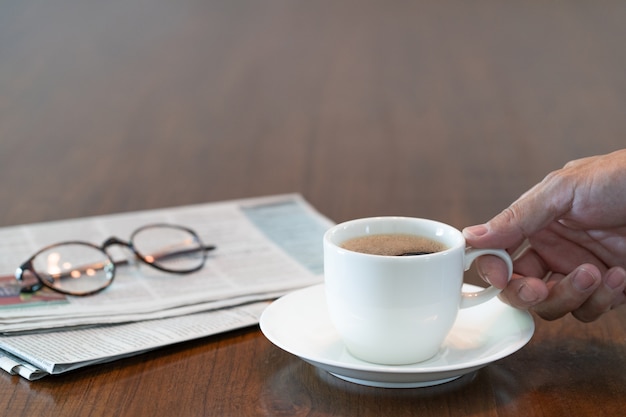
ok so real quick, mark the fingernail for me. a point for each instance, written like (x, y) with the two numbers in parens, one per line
(583, 280)
(475, 231)
(527, 294)
(615, 279)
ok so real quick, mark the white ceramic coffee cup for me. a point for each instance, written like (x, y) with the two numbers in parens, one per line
(396, 310)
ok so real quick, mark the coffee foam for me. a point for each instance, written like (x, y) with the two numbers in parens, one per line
(392, 244)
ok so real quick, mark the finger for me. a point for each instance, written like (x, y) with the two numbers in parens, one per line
(524, 292)
(569, 293)
(530, 263)
(609, 295)
(493, 270)
(534, 210)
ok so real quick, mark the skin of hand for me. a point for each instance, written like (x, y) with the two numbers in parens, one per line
(568, 238)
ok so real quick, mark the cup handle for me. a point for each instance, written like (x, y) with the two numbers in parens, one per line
(470, 299)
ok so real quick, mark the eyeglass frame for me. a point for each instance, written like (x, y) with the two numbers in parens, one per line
(111, 241)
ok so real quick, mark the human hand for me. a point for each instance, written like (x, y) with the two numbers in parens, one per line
(569, 233)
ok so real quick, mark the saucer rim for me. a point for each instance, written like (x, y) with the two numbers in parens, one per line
(527, 329)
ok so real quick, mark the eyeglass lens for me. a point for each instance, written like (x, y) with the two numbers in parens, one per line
(74, 268)
(172, 249)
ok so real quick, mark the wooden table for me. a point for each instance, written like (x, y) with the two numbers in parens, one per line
(439, 109)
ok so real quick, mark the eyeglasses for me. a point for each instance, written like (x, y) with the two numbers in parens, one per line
(82, 268)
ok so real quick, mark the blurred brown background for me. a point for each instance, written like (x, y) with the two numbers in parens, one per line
(437, 109)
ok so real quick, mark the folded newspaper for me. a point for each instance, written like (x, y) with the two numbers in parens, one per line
(265, 247)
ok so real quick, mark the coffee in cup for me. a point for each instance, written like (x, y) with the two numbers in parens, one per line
(393, 244)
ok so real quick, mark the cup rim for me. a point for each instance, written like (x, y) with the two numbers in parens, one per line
(334, 230)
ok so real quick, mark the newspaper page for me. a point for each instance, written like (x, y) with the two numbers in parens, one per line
(265, 247)
(34, 356)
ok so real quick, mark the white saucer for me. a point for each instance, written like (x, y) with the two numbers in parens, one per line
(299, 324)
